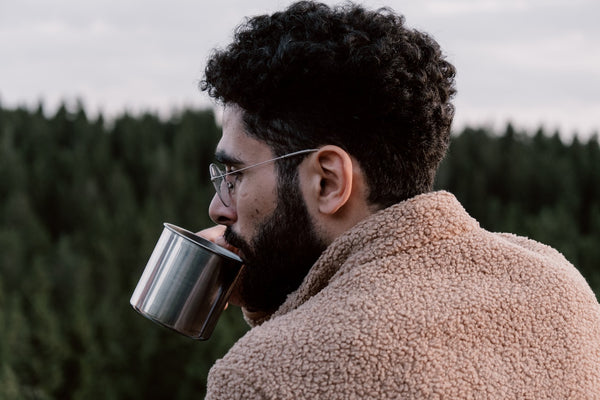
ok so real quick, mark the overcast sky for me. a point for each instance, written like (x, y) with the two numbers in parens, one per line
(531, 62)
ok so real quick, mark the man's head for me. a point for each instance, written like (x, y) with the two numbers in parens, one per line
(371, 95)
(314, 75)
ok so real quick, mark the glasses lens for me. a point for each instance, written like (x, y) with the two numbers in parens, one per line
(218, 180)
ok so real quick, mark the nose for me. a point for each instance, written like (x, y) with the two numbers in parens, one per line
(220, 214)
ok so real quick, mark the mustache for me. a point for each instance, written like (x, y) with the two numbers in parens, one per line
(236, 241)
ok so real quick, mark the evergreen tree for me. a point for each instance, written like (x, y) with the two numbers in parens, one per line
(82, 204)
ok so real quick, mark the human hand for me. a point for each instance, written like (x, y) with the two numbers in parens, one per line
(215, 235)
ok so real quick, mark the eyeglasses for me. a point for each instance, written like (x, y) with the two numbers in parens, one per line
(224, 181)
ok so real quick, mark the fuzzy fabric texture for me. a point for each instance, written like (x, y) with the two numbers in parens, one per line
(419, 302)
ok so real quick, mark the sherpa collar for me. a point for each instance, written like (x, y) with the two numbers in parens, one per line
(404, 226)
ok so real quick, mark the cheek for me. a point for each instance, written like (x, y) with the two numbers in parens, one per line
(254, 206)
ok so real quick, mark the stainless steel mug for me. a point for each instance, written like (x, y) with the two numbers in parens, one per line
(186, 283)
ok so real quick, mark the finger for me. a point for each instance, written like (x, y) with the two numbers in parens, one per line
(215, 235)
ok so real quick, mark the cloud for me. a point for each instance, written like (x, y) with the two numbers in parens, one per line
(471, 7)
(514, 57)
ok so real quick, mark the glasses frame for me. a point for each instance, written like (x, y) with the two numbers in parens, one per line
(217, 180)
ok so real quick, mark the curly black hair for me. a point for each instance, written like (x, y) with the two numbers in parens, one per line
(313, 75)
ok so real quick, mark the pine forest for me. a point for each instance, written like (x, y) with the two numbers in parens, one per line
(83, 200)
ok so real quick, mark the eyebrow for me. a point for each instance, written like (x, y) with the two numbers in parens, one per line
(227, 159)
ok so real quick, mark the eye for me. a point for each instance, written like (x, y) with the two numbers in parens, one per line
(232, 177)
(232, 171)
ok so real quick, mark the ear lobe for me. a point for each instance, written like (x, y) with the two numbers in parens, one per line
(335, 169)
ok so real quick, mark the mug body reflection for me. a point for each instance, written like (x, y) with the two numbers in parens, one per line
(186, 283)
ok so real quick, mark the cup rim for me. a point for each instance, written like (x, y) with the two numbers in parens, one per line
(202, 242)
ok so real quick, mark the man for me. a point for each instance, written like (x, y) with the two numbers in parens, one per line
(359, 282)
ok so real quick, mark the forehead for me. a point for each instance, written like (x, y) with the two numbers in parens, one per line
(236, 144)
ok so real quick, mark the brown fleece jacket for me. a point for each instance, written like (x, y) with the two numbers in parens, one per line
(417, 302)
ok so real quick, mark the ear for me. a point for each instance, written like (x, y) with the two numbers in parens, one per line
(332, 173)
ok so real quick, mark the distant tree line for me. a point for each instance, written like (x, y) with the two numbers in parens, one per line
(531, 184)
(82, 202)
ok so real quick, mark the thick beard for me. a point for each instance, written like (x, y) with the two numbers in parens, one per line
(279, 256)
